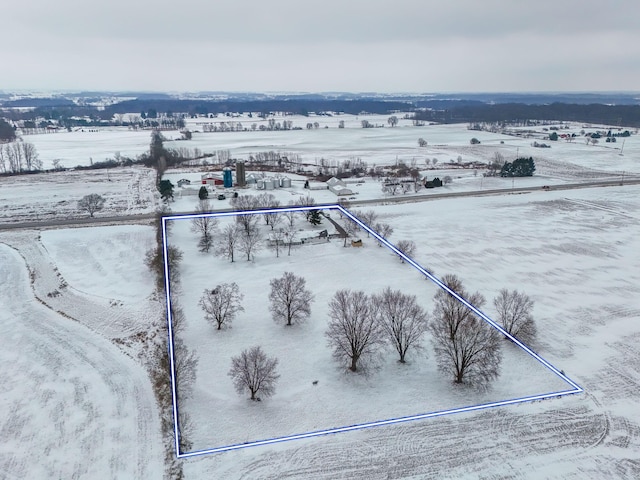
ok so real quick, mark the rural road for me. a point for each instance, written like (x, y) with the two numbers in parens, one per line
(84, 221)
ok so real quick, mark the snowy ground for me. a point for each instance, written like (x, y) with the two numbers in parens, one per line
(221, 417)
(52, 196)
(376, 146)
(87, 410)
(574, 253)
(77, 400)
(132, 190)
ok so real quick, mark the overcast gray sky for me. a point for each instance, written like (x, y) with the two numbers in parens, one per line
(322, 45)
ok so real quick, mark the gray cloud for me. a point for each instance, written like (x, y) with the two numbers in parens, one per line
(417, 45)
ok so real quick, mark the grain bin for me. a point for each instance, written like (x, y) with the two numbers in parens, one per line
(227, 177)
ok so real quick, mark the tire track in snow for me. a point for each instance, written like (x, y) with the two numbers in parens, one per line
(73, 406)
(51, 289)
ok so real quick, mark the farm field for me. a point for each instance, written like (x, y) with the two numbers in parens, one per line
(376, 146)
(574, 254)
(95, 415)
(54, 196)
(131, 190)
(220, 417)
(77, 400)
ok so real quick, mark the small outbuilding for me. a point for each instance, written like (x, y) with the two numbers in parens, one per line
(338, 187)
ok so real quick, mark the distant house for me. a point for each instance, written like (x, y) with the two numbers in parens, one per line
(183, 181)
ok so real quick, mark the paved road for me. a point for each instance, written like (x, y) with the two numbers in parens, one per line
(143, 218)
(501, 191)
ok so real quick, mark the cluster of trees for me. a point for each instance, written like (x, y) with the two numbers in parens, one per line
(245, 234)
(296, 106)
(520, 167)
(477, 112)
(19, 156)
(289, 303)
(7, 132)
(362, 326)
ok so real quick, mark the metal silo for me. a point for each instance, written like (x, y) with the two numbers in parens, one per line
(227, 177)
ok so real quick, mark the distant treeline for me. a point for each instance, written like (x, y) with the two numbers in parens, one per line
(622, 115)
(439, 110)
(302, 106)
(293, 106)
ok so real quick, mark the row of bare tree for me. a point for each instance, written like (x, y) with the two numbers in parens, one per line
(244, 235)
(19, 156)
(361, 325)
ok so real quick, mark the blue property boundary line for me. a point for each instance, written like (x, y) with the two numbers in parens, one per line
(575, 388)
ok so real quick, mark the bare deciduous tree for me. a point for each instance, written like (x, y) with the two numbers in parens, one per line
(290, 215)
(465, 346)
(290, 238)
(228, 241)
(403, 320)
(369, 218)
(246, 203)
(354, 332)
(185, 364)
(255, 372)
(275, 219)
(222, 304)
(290, 299)
(514, 313)
(276, 241)
(204, 225)
(408, 247)
(384, 230)
(30, 156)
(351, 229)
(250, 242)
(392, 120)
(306, 201)
(267, 200)
(91, 203)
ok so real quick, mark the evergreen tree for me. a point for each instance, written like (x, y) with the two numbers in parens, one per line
(521, 167)
(7, 133)
(203, 193)
(166, 189)
(314, 217)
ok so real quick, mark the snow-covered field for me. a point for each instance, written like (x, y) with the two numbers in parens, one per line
(78, 402)
(376, 146)
(574, 253)
(221, 417)
(131, 190)
(54, 196)
(74, 405)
